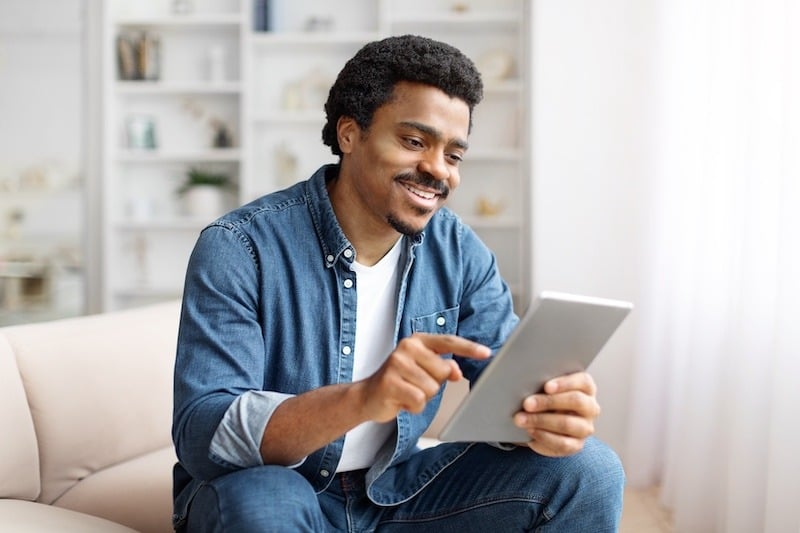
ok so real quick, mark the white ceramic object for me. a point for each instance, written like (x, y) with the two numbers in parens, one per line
(204, 201)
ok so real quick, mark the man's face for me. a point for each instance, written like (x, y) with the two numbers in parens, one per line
(407, 163)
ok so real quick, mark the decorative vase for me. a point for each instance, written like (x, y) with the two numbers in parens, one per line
(205, 201)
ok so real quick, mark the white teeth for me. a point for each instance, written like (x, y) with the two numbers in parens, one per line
(423, 194)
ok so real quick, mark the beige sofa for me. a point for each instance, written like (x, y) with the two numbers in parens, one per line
(86, 404)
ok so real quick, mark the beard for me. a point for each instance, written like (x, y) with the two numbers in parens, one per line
(402, 227)
(427, 181)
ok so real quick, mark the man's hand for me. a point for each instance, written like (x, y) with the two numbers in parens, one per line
(561, 418)
(407, 380)
(414, 372)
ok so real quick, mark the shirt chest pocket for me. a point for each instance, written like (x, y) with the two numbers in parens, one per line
(444, 322)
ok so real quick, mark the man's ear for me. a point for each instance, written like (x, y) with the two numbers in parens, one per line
(347, 132)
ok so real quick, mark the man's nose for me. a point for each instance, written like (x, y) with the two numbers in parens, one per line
(434, 163)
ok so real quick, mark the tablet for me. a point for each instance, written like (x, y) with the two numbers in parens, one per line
(559, 334)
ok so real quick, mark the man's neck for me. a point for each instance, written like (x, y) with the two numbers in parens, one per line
(371, 239)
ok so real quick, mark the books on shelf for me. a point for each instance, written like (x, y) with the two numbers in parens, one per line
(139, 56)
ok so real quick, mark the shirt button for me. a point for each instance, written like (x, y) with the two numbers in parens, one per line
(329, 258)
(346, 350)
(348, 253)
(348, 283)
(440, 321)
(324, 473)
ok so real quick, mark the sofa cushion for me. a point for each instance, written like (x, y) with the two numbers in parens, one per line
(27, 517)
(99, 389)
(140, 482)
(19, 455)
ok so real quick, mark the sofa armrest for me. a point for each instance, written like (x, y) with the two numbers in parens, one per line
(19, 452)
(99, 389)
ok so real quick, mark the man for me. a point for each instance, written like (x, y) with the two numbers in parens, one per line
(318, 328)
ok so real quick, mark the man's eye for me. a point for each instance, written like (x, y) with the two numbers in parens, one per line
(455, 158)
(416, 143)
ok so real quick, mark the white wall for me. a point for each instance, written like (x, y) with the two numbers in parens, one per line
(591, 80)
(40, 106)
(40, 98)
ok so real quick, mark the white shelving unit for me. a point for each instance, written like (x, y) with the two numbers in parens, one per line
(147, 233)
(273, 93)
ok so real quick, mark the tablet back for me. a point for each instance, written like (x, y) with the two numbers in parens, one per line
(559, 334)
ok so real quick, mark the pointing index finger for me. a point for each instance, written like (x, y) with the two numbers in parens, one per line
(454, 344)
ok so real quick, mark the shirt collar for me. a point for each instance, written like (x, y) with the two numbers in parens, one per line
(330, 234)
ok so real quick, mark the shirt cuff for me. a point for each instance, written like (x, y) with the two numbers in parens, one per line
(237, 439)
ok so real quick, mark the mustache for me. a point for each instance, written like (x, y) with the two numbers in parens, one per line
(426, 181)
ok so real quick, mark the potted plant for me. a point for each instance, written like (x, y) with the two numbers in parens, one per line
(204, 192)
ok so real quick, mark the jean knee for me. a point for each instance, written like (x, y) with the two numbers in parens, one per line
(599, 469)
(595, 469)
(264, 498)
(607, 463)
(586, 490)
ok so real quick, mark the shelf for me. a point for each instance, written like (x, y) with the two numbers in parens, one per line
(309, 38)
(502, 87)
(478, 223)
(37, 193)
(291, 117)
(178, 87)
(163, 224)
(22, 269)
(472, 18)
(196, 20)
(231, 155)
(147, 292)
(31, 36)
(510, 155)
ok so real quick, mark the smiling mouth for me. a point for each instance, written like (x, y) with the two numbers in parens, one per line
(426, 195)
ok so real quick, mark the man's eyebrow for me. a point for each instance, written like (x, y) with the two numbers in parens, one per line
(436, 134)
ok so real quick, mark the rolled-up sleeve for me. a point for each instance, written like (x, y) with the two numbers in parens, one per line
(238, 437)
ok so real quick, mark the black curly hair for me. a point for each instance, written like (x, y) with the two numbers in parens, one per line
(367, 80)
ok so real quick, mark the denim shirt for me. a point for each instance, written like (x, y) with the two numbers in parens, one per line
(268, 313)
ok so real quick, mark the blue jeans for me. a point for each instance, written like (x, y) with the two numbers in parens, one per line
(485, 490)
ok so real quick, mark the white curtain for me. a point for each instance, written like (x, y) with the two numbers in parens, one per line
(716, 416)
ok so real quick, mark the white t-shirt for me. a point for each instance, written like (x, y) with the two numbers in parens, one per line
(376, 306)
